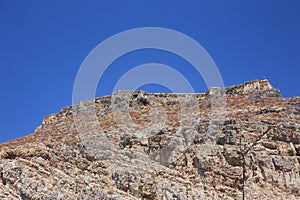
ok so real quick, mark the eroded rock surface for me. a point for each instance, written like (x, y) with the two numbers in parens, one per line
(221, 144)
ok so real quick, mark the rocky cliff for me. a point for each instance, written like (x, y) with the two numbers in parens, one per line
(239, 142)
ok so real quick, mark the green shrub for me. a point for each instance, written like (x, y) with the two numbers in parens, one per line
(291, 152)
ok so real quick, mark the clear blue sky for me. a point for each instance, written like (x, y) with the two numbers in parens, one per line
(43, 43)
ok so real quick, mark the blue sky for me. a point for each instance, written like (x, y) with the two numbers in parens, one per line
(43, 43)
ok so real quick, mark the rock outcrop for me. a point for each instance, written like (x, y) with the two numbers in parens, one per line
(227, 143)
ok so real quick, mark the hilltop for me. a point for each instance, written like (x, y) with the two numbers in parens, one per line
(221, 144)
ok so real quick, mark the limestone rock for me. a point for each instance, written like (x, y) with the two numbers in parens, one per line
(222, 144)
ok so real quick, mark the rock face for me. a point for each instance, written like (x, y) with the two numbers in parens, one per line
(227, 143)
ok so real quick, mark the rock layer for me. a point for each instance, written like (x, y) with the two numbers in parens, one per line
(227, 143)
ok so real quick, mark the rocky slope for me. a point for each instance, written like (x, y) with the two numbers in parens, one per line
(223, 144)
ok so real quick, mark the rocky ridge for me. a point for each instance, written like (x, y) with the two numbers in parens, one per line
(227, 143)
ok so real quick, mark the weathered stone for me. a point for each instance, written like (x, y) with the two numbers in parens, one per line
(232, 157)
(269, 144)
(282, 163)
(297, 148)
(161, 147)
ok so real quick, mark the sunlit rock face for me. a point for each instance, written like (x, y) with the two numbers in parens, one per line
(226, 143)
